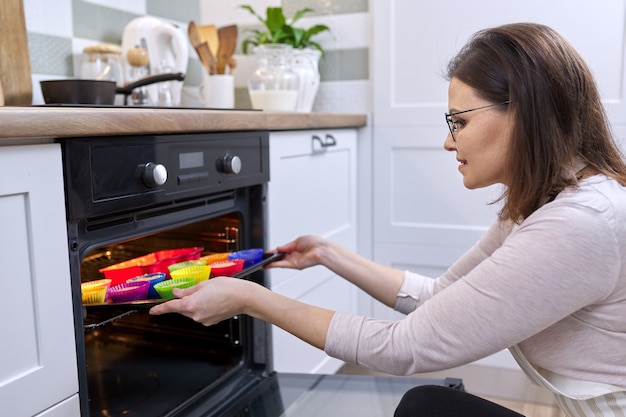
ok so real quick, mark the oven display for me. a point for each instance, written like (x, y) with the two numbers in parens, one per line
(191, 160)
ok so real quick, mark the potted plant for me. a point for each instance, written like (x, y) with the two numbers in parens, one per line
(279, 30)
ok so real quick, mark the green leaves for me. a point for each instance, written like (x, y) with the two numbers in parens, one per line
(275, 19)
(278, 29)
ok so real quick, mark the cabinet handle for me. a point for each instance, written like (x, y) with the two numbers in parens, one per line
(328, 141)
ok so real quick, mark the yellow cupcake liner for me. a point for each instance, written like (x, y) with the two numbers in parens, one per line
(199, 272)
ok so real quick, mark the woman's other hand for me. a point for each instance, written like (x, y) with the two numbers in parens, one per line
(304, 252)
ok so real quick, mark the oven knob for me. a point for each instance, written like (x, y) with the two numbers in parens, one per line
(154, 174)
(229, 164)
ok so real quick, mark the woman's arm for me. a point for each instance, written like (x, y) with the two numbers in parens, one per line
(221, 298)
(379, 281)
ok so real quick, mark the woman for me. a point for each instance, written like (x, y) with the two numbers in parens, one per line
(547, 281)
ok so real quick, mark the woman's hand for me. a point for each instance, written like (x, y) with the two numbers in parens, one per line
(379, 281)
(221, 298)
(209, 302)
(301, 253)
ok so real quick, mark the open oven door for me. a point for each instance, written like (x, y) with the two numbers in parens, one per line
(316, 395)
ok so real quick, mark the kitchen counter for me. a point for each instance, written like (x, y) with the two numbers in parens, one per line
(21, 124)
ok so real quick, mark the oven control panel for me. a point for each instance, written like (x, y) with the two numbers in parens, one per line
(109, 174)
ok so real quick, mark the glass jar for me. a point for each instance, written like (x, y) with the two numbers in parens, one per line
(98, 63)
(305, 64)
(138, 60)
(273, 85)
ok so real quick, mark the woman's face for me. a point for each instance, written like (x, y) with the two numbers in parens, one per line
(482, 139)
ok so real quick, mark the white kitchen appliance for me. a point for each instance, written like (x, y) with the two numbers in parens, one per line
(167, 51)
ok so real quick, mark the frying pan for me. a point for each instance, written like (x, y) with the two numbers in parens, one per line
(96, 91)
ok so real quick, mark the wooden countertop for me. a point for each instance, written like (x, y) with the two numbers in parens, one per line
(54, 122)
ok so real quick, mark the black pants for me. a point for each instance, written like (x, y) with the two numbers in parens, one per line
(439, 401)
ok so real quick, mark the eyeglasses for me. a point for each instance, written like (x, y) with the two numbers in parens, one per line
(455, 126)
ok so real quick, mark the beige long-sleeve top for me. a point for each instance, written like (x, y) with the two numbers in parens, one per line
(555, 285)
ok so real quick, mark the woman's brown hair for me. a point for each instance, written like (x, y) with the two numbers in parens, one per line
(557, 117)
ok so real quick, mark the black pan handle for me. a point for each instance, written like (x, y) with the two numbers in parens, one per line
(152, 79)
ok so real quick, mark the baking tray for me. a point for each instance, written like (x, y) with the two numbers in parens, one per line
(148, 304)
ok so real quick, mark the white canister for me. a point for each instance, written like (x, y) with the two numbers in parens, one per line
(217, 91)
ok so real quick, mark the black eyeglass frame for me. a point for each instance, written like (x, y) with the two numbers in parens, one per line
(453, 126)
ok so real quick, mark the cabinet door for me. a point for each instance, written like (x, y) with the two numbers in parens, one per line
(38, 361)
(66, 408)
(312, 190)
(413, 42)
(424, 218)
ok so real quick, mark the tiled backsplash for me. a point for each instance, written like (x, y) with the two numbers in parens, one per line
(59, 30)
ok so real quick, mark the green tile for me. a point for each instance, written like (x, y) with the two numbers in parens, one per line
(100, 23)
(179, 10)
(194, 73)
(342, 64)
(242, 98)
(345, 64)
(50, 55)
(325, 7)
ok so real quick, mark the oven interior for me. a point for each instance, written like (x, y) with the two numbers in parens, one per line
(137, 364)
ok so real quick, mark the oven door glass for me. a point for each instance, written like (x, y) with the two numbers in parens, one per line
(311, 395)
(142, 365)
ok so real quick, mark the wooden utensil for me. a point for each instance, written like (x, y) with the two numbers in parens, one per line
(208, 33)
(194, 38)
(14, 57)
(204, 51)
(202, 48)
(228, 42)
(232, 63)
(1, 95)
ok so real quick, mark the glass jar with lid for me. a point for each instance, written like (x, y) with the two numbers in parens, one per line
(274, 84)
(102, 62)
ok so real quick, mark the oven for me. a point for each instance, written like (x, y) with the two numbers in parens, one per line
(131, 196)
(128, 196)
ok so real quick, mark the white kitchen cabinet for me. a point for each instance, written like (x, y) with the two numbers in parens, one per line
(312, 190)
(67, 408)
(423, 217)
(38, 362)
